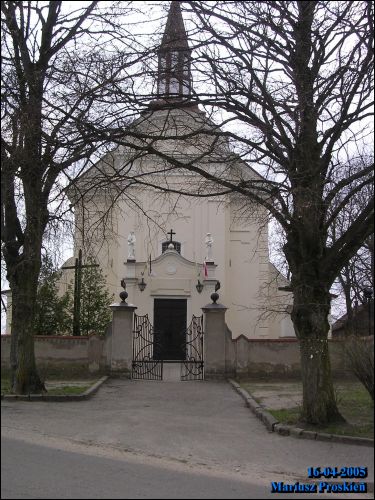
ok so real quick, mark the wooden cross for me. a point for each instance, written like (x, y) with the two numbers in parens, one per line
(78, 266)
(171, 233)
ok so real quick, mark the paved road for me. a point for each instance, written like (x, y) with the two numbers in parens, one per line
(54, 473)
(202, 427)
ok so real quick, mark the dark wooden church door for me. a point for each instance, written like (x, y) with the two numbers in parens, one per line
(170, 329)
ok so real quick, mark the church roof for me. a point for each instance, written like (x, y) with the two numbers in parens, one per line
(175, 36)
(182, 132)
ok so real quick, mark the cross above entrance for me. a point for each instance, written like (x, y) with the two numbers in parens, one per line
(171, 233)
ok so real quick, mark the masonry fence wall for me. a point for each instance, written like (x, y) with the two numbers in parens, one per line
(276, 357)
(64, 354)
(244, 357)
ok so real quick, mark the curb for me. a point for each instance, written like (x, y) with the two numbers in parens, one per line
(273, 425)
(54, 397)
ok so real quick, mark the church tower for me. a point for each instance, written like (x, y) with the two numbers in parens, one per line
(174, 59)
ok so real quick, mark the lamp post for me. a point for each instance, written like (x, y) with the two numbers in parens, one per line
(367, 293)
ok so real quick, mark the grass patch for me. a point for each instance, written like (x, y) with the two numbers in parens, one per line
(60, 372)
(291, 416)
(288, 416)
(61, 390)
(354, 403)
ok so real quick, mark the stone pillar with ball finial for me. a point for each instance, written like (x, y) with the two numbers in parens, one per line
(215, 333)
(121, 345)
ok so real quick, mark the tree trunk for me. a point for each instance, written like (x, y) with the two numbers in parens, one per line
(23, 277)
(319, 401)
(310, 318)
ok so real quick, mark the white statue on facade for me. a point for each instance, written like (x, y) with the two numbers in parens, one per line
(209, 241)
(131, 246)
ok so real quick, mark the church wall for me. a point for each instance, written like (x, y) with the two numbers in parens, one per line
(190, 229)
(240, 250)
(242, 316)
(191, 220)
(247, 272)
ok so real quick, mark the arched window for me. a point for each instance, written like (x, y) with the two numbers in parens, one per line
(161, 87)
(174, 86)
(176, 244)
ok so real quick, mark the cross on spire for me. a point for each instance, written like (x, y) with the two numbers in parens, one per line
(171, 233)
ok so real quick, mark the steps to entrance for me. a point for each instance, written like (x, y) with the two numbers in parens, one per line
(172, 372)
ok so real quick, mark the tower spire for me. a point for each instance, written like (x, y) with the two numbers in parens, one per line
(174, 58)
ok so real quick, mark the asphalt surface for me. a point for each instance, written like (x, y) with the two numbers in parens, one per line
(203, 428)
(54, 473)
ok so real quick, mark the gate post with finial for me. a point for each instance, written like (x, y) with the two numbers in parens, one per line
(121, 348)
(215, 332)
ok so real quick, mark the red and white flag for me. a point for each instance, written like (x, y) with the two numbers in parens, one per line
(205, 270)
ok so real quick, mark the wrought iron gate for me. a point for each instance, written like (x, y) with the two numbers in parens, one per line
(148, 351)
(146, 364)
(192, 367)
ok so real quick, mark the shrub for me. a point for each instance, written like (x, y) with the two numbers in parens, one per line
(359, 352)
(52, 313)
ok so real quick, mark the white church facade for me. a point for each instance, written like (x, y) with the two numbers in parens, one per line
(155, 227)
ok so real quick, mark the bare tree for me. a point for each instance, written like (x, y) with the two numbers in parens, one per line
(354, 279)
(293, 82)
(63, 71)
(357, 273)
(298, 77)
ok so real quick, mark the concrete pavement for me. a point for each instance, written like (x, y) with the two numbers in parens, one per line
(203, 424)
